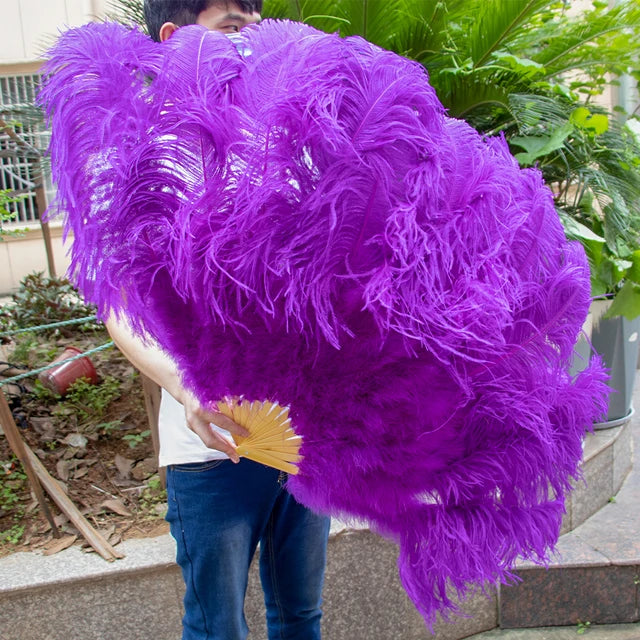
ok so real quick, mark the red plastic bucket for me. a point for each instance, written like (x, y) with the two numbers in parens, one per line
(59, 379)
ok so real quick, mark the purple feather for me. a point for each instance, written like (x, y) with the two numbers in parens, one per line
(301, 222)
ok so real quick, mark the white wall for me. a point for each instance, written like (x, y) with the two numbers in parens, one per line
(28, 27)
(23, 254)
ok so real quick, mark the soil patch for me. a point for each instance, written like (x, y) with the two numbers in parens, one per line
(95, 441)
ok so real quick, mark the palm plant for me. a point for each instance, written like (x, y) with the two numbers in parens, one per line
(532, 71)
(126, 11)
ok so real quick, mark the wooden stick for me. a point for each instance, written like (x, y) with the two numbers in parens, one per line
(56, 492)
(20, 141)
(152, 397)
(41, 205)
(19, 448)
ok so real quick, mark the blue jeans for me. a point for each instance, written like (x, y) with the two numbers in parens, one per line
(218, 512)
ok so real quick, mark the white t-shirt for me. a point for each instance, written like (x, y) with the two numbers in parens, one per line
(178, 444)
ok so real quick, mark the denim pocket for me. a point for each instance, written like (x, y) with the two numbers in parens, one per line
(198, 467)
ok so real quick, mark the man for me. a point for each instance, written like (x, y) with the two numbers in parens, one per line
(220, 507)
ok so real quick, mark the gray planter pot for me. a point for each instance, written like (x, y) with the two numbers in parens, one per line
(582, 350)
(616, 340)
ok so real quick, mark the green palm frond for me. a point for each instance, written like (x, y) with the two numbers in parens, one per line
(607, 37)
(126, 11)
(535, 113)
(321, 14)
(469, 98)
(498, 22)
(374, 20)
(422, 36)
(277, 9)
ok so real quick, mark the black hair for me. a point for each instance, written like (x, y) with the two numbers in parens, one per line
(183, 12)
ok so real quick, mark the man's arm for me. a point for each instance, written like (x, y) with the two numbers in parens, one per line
(149, 358)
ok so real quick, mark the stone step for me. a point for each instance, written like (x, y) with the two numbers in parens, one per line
(596, 574)
(575, 632)
(77, 596)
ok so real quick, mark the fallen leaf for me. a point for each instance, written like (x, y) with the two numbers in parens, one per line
(59, 545)
(63, 469)
(161, 509)
(69, 529)
(60, 519)
(32, 506)
(43, 426)
(105, 532)
(117, 506)
(42, 542)
(123, 465)
(80, 473)
(127, 484)
(144, 469)
(114, 539)
(7, 370)
(76, 440)
(44, 527)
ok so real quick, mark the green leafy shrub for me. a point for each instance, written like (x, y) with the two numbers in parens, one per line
(89, 401)
(7, 198)
(42, 300)
(134, 439)
(153, 498)
(11, 487)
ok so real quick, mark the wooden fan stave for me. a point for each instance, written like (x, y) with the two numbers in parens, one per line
(272, 441)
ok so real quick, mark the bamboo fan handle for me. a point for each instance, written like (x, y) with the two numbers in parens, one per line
(272, 441)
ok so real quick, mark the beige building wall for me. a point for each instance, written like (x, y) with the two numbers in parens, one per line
(28, 27)
(25, 253)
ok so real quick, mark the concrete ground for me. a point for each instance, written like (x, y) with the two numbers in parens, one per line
(591, 632)
(75, 596)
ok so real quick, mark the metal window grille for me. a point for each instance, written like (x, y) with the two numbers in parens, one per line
(18, 172)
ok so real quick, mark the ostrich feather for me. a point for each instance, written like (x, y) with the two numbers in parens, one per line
(294, 218)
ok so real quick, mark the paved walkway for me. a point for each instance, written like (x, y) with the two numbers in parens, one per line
(604, 632)
(611, 537)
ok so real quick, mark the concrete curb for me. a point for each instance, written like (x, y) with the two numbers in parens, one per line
(78, 596)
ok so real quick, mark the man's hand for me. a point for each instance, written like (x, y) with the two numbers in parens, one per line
(147, 356)
(200, 420)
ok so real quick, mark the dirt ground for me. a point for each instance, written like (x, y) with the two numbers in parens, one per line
(95, 441)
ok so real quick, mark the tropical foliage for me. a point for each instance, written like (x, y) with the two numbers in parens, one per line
(127, 11)
(7, 198)
(534, 71)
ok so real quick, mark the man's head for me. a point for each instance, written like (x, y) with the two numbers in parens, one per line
(163, 17)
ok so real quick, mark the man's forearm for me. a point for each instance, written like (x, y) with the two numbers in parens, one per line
(151, 360)
(147, 357)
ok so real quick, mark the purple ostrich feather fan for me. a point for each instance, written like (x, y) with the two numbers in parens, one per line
(293, 217)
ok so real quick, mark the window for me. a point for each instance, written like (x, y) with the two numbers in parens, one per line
(18, 168)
